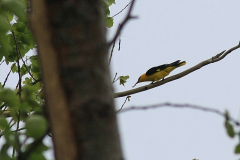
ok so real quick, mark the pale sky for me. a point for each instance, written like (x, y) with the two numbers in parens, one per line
(167, 31)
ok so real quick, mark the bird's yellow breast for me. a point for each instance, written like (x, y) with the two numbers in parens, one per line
(159, 72)
(156, 76)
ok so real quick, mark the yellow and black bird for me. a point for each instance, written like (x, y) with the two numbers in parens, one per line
(159, 72)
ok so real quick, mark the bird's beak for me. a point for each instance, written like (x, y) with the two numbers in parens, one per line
(135, 84)
(137, 81)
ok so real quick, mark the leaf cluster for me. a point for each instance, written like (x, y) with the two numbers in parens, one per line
(109, 20)
(231, 130)
(22, 115)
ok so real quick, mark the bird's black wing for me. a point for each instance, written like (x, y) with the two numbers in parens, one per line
(156, 69)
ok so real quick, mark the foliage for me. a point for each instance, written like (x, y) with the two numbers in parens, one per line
(109, 20)
(25, 102)
(22, 108)
(229, 125)
(123, 79)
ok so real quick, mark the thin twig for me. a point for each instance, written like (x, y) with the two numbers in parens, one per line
(119, 43)
(19, 129)
(11, 122)
(128, 17)
(32, 146)
(122, 9)
(182, 106)
(114, 78)
(19, 83)
(36, 81)
(3, 109)
(3, 105)
(39, 93)
(110, 58)
(216, 58)
(27, 68)
(2, 62)
(18, 64)
(7, 77)
(127, 98)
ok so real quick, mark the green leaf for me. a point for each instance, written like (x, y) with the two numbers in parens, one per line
(24, 70)
(109, 22)
(4, 152)
(16, 7)
(41, 148)
(9, 16)
(14, 67)
(19, 27)
(123, 79)
(27, 81)
(230, 129)
(5, 25)
(38, 156)
(110, 2)
(29, 102)
(28, 40)
(10, 98)
(237, 149)
(3, 123)
(33, 130)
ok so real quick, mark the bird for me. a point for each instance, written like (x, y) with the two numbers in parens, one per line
(159, 72)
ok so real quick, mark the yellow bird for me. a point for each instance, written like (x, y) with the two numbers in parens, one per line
(159, 72)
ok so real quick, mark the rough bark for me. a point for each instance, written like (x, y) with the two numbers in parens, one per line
(73, 52)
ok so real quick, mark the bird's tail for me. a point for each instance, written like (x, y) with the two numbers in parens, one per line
(177, 63)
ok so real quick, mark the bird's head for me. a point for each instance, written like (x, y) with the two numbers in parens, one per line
(140, 79)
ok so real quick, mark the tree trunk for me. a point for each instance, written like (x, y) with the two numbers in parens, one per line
(71, 39)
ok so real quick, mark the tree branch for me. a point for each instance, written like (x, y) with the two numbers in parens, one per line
(27, 68)
(36, 81)
(114, 79)
(19, 82)
(122, 9)
(182, 106)
(216, 58)
(110, 58)
(4, 83)
(2, 62)
(128, 17)
(31, 148)
(127, 98)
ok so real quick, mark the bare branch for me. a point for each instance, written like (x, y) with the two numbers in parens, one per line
(39, 93)
(4, 83)
(26, 67)
(127, 98)
(36, 81)
(19, 83)
(216, 58)
(182, 106)
(119, 44)
(110, 58)
(18, 64)
(2, 62)
(128, 17)
(114, 79)
(122, 10)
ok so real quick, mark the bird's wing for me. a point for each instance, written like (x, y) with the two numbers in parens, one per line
(156, 69)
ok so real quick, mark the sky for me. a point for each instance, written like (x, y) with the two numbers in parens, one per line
(166, 31)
